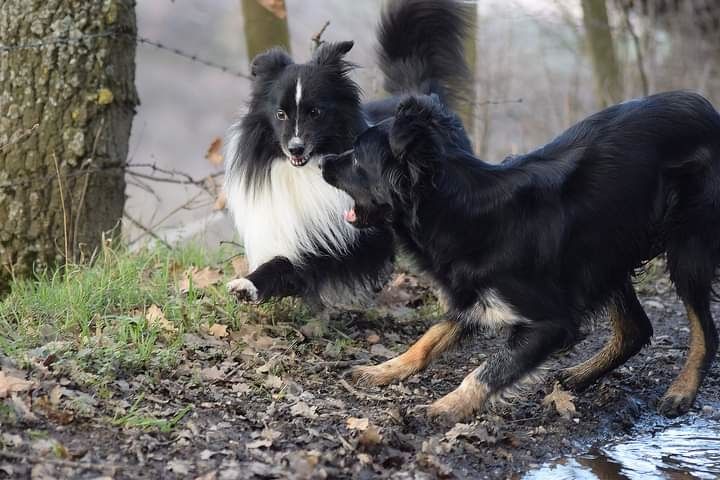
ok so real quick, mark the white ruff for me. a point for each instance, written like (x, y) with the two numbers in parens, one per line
(295, 212)
(493, 312)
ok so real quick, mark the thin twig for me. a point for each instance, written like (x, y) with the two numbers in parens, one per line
(146, 230)
(638, 50)
(317, 38)
(62, 202)
(81, 203)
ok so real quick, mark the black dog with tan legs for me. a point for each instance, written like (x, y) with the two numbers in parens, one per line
(546, 240)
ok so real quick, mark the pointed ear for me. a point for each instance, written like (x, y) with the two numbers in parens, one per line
(332, 53)
(268, 65)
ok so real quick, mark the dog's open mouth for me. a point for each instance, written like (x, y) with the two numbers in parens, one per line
(363, 217)
(299, 161)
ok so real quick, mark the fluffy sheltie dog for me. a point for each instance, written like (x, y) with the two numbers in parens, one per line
(545, 240)
(290, 220)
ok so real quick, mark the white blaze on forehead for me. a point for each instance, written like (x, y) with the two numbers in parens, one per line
(298, 96)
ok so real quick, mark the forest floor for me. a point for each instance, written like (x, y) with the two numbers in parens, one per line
(143, 367)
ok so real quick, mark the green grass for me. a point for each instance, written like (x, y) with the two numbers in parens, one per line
(135, 419)
(93, 316)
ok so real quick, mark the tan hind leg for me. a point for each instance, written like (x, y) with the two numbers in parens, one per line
(631, 331)
(703, 346)
(434, 342)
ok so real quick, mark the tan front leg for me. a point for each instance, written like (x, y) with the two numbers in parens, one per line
(434, 342)
(462, 402)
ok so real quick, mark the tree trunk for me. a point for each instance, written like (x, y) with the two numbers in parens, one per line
(608, 83)
(67, 100)
(265, 26)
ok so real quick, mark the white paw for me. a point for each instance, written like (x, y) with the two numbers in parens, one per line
(243, 289)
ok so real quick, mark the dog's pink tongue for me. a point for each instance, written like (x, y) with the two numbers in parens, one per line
(350, 215)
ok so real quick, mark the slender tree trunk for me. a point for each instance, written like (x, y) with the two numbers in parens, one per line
(66, 106)
(265, 26)
(608, 81)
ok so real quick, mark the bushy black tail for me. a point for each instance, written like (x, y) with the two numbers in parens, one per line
(421, 48)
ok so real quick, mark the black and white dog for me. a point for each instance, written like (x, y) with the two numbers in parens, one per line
(545, 240)
(290, 220)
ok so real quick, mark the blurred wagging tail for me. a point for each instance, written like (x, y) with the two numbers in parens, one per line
(543, 241)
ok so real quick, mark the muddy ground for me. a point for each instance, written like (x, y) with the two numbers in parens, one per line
(269, 401)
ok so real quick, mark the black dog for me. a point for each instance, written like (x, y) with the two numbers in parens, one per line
(545, 240)
(290, 220)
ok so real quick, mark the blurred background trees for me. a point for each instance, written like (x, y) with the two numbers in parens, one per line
(67, 100)
(539, 66)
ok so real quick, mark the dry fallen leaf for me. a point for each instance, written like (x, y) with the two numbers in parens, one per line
(562, 400)
(201, 278)
(218, 330)
(156, 318)
(214, 153)
(274, 382)
(276, 7)
(373, 338)
(302, 409)
(358, 423)
(370, 437)
(10, 384)
(220, 201)
(240, 266)
(211, 374)
(260, 443)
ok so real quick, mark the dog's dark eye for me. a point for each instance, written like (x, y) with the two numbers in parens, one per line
(281, 115)
(315, 112)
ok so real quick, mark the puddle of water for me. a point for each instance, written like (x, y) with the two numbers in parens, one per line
(670, 451)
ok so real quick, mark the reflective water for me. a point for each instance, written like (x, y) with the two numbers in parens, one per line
(682, 450)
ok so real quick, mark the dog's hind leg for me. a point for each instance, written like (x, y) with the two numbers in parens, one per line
(631, 331)
(528, 346)
(692, 268)
(432, 344)
(703, 347)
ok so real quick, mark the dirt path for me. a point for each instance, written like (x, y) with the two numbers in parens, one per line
(269, 402)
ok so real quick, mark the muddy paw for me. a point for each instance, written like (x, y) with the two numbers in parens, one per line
(570, 379)
(243, 289)
(371, 375)
(449, 410)
(675, 404)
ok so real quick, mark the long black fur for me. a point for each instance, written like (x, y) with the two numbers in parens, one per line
(421, 51)
(557, 233)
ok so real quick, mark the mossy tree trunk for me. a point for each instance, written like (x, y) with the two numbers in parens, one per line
(608, 81)
(265, 26)
(65, 106)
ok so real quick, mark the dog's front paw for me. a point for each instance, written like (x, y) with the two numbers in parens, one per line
(243, 289)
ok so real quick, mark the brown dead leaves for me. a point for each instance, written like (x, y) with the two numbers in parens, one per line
(199, 278)
(156, 318)
(10, 384)
(214, 153)
(562, 400)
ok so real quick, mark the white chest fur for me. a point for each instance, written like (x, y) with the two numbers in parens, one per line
(295, 212)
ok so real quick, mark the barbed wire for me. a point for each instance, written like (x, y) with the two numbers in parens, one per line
(139, 39)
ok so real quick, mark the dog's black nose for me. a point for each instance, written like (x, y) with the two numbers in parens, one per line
(296, 147)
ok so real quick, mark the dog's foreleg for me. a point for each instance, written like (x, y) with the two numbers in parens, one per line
(434, 342)
(528, 346)
(275, 278)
